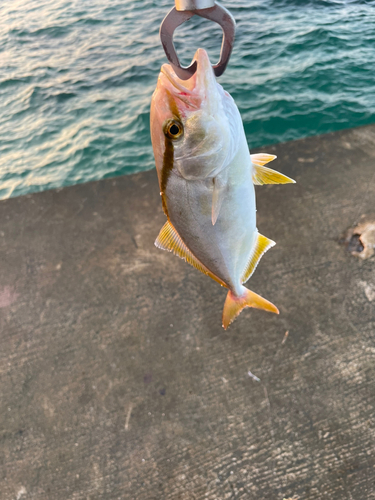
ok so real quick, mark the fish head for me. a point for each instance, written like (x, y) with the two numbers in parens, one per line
(196, 120)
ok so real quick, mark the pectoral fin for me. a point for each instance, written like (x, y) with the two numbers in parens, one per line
(265, 175)
(262, 244)
(217, 198)
(262, 158)
(170, 240)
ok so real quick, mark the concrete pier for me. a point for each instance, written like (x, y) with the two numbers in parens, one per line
(117, 380)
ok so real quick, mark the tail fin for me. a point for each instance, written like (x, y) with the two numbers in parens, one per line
(233, 305)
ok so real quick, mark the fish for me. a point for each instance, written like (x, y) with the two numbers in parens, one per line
(206, 177)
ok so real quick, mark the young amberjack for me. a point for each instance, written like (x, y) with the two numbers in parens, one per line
(207, 176)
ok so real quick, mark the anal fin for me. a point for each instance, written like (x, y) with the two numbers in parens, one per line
(264, 175)
(262, 244)
(170, 240)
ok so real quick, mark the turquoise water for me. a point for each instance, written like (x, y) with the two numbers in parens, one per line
(76, 78)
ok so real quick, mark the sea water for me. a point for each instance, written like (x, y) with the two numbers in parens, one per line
(76, 79)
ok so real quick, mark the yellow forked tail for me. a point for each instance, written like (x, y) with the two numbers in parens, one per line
(233, 305)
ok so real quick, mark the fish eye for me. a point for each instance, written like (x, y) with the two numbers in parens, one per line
(173, 129)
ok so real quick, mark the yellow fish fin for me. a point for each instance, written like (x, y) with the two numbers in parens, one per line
(262, 244)
(262, 158)
(170, 240)
(265, 175)
(233, 305)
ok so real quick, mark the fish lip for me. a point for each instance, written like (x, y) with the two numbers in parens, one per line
(178, 90)
(166, 71)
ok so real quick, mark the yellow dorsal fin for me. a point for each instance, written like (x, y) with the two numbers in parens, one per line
(262, 244)
(265, 175)
(170, 240)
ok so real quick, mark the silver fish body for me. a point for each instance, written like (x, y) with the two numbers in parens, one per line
(207, 176)
(224, 247)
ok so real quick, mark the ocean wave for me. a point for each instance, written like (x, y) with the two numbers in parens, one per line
(76, 80)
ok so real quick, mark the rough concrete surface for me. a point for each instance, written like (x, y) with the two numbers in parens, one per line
(118, 381)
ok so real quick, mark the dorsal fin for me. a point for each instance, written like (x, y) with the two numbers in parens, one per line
(265, 175)
(170, 240)
(262, 244)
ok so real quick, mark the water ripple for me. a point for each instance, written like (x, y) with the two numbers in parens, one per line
(76, 79)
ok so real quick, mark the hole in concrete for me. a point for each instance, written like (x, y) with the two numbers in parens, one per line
(355, 244)
(360, 240)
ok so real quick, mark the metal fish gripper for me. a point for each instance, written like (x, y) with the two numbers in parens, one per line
(183, 11)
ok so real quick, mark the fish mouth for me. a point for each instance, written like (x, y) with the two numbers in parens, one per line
(182, 92)
(201, 86)
(167, 70)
